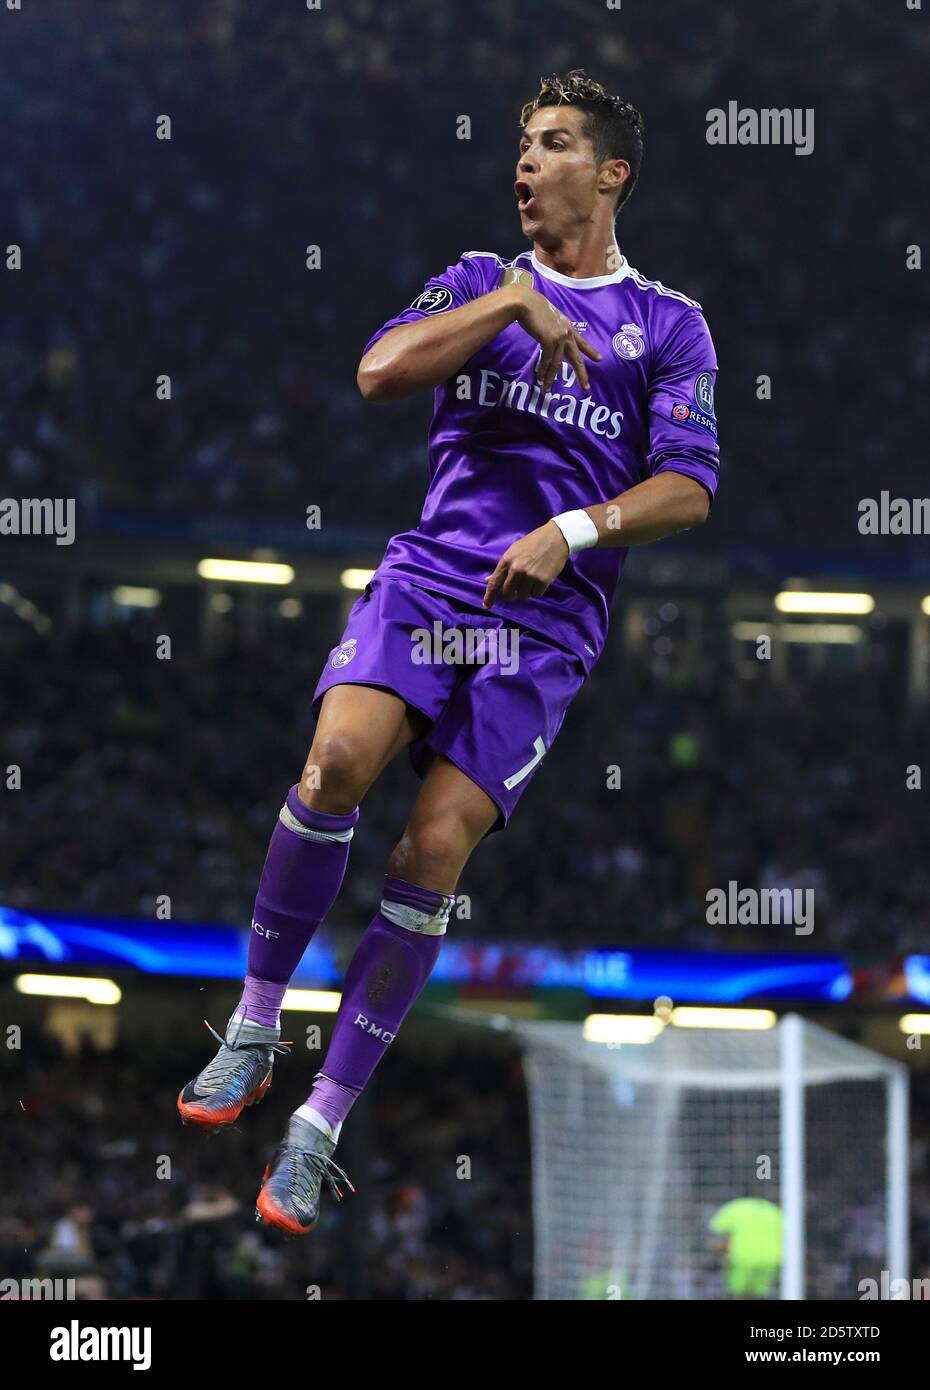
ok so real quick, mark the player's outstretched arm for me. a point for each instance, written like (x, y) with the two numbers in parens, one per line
(661, 506)
(419, 356)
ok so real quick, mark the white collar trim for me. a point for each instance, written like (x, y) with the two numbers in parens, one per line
(592, 283)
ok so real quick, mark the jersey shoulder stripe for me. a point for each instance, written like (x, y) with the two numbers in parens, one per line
(642, 283)
(636, 276)
(490, 255)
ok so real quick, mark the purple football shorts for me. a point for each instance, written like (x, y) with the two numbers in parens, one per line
(495, 694)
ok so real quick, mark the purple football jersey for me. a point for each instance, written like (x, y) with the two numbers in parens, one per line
(504, 458)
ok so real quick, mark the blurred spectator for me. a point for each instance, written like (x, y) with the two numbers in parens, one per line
(97, 1129)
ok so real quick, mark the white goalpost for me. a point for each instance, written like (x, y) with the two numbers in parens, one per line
(715, 1163)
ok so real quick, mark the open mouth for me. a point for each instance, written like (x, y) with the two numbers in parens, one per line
(526, 198)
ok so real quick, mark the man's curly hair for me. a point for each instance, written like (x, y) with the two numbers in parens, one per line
(614, 127)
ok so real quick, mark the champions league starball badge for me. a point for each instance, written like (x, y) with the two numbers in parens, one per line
(629, 342)
(433, 300)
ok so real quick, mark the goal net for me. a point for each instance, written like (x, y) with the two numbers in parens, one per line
(714, 1163)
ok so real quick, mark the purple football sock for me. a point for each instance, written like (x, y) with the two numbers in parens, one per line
(261, 1000)
(303, 873)
(385, 976)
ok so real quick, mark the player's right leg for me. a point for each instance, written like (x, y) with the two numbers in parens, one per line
(360, 729)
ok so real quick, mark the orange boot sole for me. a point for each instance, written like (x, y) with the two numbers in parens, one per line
(191, 1114)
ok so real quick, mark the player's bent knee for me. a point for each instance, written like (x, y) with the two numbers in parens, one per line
(337, 770)
(435, 852)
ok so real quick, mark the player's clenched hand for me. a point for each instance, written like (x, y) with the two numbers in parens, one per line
(529, 566)
(557, 338)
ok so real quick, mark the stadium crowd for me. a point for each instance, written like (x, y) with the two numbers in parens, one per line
(104, 1186)
(143, 778)
(293, 129)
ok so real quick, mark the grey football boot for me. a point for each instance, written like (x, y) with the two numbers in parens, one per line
(290, 1194)
(238, 1075)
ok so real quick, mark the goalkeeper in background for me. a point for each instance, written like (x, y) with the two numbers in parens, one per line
(748, 1232)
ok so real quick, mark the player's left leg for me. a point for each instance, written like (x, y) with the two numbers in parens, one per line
(385, 977)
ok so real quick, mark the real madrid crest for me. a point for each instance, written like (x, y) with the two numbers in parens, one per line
(629, 343)
(345, 653)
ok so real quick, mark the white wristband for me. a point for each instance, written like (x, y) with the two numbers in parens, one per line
(578, 529)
